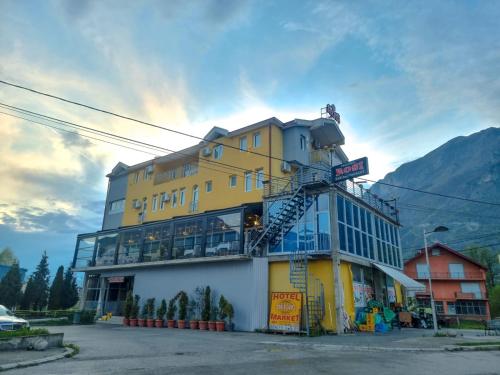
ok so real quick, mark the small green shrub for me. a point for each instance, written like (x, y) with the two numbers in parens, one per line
(160, 313)
(129, 305)
(172, 308)
(205, 312)
(87, 317)
(183, 301)
(23, 332)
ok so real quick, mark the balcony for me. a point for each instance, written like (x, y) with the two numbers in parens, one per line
(216, 235)
(470, 295)
(447, 275)
(176, 173)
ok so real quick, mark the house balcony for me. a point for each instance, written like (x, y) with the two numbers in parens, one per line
(470, 295)
(175, 173)
(446, 276)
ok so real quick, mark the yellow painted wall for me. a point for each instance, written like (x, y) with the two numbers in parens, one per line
(399, 293)
(222, 196)
(346, 275)
(321, 269)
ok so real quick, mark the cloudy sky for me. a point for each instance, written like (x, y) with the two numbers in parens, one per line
(405, 77)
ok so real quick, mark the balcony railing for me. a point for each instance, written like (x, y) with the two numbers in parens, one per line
(446, 275)
(175, 173)
(470, 295)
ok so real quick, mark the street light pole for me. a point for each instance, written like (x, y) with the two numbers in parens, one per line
(433, 307)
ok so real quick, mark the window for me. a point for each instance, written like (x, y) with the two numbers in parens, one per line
(182, 198)
(196, 197)
(422, 271)
(436, 252)
(303, 142)
(208, 186)
(187, 170)
(472, 288)
(248, 181)
(256, 139)
(259, 179)
(439, 307)
(163, 198)
(232, 181)
(116, 206)
(174, 198)
(243, 144)
(456, 270)
(218, 152)
(148, 174)
(106, 247)
(136, 177)
(154, 205)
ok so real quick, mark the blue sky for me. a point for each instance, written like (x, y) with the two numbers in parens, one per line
(405, 77)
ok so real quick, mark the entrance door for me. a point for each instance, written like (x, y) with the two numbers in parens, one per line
(116, 293)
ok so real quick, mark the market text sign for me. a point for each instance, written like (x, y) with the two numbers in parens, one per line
(285, 311)
(351, 169)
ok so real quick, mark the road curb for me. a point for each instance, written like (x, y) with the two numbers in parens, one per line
(478, 348)
(9, 366)
(355, 348)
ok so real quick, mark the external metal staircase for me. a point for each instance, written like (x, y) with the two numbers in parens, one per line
(296, 198)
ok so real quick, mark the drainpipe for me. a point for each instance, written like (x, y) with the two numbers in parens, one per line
(270, 150)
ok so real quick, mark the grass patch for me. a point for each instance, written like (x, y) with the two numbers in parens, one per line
(76, 350)
(23, 332)
(478, 343)
(52, 322)
(467, 324)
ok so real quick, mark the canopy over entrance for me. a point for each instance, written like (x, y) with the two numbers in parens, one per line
(404, 280)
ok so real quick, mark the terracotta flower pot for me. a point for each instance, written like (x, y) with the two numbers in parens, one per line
(126, 321)
(150, 323)
(171, 323)
(181, 324)
(193, 324)
(211, 325)
(219, 325)
(133, 322)
(142, 322)
(203, 325)
(159, 323)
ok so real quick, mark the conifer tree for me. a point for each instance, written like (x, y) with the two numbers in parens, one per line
(40, 279)
(27, 299)
(10, 287)
(70, 290)
(56, 290)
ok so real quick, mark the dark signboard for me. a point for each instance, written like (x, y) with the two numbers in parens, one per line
(351, 169)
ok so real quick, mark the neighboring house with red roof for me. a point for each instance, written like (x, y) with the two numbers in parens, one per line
(458, 283)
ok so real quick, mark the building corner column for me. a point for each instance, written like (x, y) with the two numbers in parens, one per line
(337, 280)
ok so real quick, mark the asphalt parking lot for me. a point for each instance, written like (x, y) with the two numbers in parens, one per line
(107, 349)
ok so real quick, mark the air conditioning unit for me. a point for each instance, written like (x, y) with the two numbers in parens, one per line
(286, 167)
(166, 198)
(207, 151)
(136, 204)
(149, 169)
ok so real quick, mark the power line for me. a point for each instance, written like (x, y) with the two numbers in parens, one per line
(461, 240)
(144, 144)
(218, 143)
(414, 207)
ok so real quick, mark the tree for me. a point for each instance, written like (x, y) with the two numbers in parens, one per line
(7, 257)
(40, 279)
(27, 299)
(487, 258)
(69, 295)
(56, 290)
(495, 302)
(10, 287)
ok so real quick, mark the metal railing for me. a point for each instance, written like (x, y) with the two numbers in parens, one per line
(447, 275)
(175, 173)
(470, 295)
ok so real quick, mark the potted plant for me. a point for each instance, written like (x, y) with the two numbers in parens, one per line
(127, 309)
(171, 312)
(160, 314)
(192, 313)
(135, 311)
(205, 312)
(219, 324)
(151, 312)
(230, 314)
(214, 311)
(183, 301)
(144, 314)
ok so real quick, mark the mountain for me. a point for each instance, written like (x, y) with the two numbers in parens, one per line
(466, 167)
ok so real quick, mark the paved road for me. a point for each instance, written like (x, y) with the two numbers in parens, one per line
(120, 350)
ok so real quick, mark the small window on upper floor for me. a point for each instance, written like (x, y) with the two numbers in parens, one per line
(208, 186)
(116, 206)
(218, 152)
(163, 199)
(136, 177)
(248, 181)
(256, 140)
(174, 198)
(303, 142)
(182, 198)
(436, 252)
(259, 178)
(243, 144)
(232, 181)
(154, 204)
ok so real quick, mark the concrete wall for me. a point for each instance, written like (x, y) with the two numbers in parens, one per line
(242, 282)
(291, 144)
(117, 189)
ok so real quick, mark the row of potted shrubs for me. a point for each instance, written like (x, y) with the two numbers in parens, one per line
(201, 309)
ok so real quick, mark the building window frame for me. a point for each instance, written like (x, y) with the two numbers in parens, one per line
(233, 181)
(218, 152)
(259, 179)
(243, 144)
(248, 181)
(154, 203)
(182, 196)
(208, 186)
(174, 198)
(257, 141)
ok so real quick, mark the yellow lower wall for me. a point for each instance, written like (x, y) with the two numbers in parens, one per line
(346, 275)
(321, 269)
(399, 293)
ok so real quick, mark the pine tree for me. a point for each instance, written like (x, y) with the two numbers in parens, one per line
(70, 290)
(27, 299)
(56, 290)
(41, 283)
(10, 287)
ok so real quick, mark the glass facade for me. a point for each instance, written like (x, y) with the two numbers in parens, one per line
(202, 235)
(310, 231)
(365, 234)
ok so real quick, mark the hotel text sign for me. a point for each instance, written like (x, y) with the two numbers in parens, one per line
(351, 169)
(285, 311)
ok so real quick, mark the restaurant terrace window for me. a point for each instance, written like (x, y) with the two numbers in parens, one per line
(106, 248)
(223, 234)
(85, 251)
(129, 249)
(187, 239)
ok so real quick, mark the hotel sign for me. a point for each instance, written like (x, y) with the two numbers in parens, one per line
(285, 311)
(351, 169)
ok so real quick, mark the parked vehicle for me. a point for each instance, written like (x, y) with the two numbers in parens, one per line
(9, 322)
